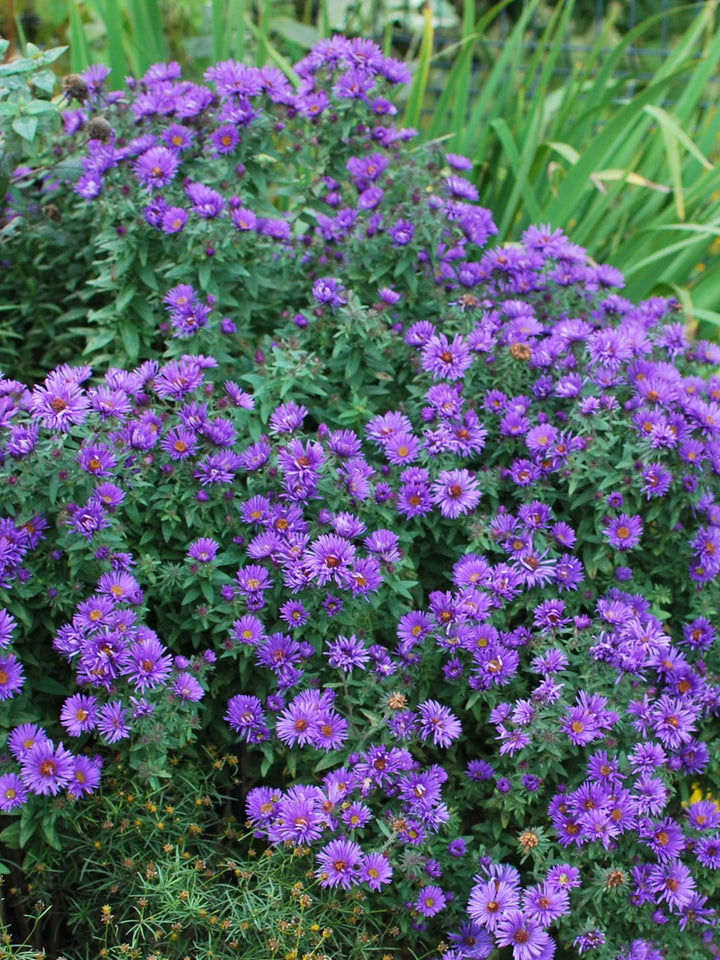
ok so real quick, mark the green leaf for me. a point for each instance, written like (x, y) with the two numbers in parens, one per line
(125, 296)
(38, 107)
(47, 684)
(417, 92)
(26, 127)
(130, 339)
(44, 80)
(10, 836)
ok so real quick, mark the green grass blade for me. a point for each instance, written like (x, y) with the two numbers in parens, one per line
(496, 88)
(111, 16)
(236, 28)
(419, 85)
(218, 30)
(80, 56)
(147, 40)
(459, 78)
(599, 151)
(273, 53)
(323, 24)
(519, 165)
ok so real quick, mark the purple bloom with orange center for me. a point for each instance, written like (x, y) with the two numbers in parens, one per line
(330, 558)
(97, 459)
(438, 722)
(148, 663)
(456, 492)
(12, 792)
(204, 549)
(46, 768)
(526, 937)
(491, 900)
(12, 679)
(430, 900)
(173, 220)
(624, 532)
(445, 360)
(79, 714)
(253, 579)
(85, 777)
(375, 870)
(244, 712)
(674, 883)
(59, 404)
(156, 167)
(339, 864)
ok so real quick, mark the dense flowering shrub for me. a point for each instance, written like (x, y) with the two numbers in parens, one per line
(440, 565)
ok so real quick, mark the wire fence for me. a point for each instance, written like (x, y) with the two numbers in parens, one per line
(639, 62)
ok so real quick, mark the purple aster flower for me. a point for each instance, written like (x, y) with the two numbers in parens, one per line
(656, 480)
(402, 233)
(624, 532)
(703, 815)
(85, 776)
(287, 418)
(491, 900)
(339, 864)
(456, 492)
(79, 714)
(330, 558)
(244, 219)
(112, 722)
(23, 738)
(329, 730)
(59, 404)
(173, 220)
(439, 722)
(187, 688)
(207, 203)
(328, 290)
(527, 938)
(430, 900)
(457, 847)
(346, 653)
(156, 167)
(7, 627)
(375, 870)
(204, 549)
(46, 768)
(674, 883)
(707, 851)
(148, 664)
(589, 940)
(12, 679)
(12, 792)
(446, 360)
(244, 713)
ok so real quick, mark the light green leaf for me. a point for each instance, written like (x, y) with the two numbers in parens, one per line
(26, 127)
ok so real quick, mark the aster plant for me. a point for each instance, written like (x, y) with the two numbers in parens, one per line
(437, 559)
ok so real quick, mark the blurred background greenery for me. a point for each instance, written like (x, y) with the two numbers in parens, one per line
(597, 116)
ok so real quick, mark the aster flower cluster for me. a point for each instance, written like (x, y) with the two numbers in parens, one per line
(459, 567)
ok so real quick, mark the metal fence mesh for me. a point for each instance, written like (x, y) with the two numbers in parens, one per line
(639, 61)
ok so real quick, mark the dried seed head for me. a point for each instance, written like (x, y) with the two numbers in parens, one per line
(528, 840)
(520, 351)
(75, 87)
(99, 129)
